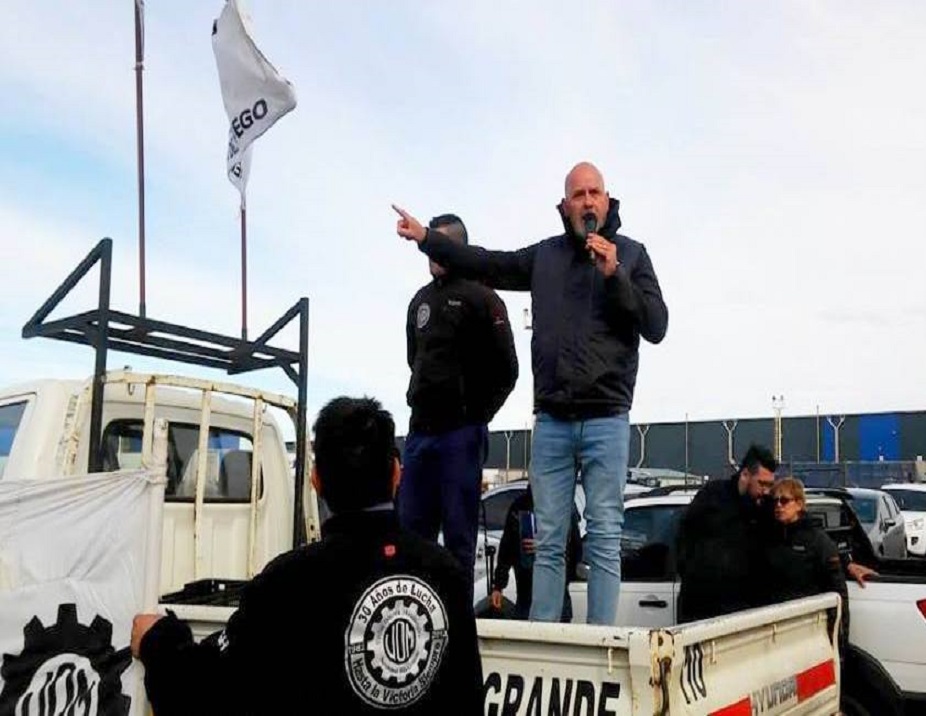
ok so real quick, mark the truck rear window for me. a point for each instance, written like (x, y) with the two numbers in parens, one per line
(228, 459)
(11, 415)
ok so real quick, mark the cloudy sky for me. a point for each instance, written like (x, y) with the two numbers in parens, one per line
(771, 156)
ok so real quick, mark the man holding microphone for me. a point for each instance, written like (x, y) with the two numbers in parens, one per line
(594, 295)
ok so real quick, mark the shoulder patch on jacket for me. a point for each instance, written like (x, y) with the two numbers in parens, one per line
(395, 641)
(423, 315)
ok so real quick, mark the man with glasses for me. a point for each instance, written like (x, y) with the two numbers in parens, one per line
(720, 540)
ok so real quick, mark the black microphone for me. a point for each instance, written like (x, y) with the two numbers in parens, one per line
(591, 223)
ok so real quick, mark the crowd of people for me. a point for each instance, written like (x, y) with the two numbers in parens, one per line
(379, 571)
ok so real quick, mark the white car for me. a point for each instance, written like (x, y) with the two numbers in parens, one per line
(494, 511)
(911, 498)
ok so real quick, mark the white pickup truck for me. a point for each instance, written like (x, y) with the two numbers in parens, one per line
(227, 514)
(886, 664)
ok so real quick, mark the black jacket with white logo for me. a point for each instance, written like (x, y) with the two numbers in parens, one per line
(461, 353)
(370, 619)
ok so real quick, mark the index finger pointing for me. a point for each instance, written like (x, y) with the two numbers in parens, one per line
(401, 212)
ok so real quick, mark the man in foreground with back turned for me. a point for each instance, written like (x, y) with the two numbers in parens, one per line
(384, 613)
(594, 294)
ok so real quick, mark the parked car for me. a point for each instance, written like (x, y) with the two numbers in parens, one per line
(911, 498)
(881, 518)
(495, 504)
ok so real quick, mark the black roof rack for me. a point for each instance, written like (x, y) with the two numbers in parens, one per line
(104, 328)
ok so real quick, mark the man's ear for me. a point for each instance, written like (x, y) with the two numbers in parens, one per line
(561, 208)
(396, 475)
(316, 482)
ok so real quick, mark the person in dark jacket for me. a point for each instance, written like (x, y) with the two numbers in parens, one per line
(800, 558)
(463, 367)
(720, 541)
(594, 295)
(516, 551)
(373, 618)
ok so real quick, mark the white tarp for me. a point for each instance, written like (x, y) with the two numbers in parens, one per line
(79, 557)
(254, 93)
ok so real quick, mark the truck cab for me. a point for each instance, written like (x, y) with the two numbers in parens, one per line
(235, 526)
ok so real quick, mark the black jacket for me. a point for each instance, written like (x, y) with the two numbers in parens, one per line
(801, 560)
(720, 552)
(586, 329)
(371, 614)
(461, 353)
(509, 553)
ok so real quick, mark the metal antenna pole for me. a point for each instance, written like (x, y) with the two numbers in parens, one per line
(140, 148)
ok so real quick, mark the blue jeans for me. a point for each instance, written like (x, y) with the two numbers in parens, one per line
(441, 487)
(599, 448)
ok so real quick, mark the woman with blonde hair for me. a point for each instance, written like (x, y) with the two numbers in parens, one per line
(802, 560)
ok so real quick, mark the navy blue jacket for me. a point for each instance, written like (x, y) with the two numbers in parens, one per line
(586, 328)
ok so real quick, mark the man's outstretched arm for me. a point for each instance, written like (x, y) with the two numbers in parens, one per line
(503, 270)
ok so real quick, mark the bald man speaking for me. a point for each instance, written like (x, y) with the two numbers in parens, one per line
(594, 295)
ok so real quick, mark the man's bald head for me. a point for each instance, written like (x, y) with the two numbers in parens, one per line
(582, 170)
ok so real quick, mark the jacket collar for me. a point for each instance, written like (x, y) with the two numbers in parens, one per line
(372, 521)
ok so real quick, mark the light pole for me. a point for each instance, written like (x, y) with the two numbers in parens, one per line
(730, 427)
(836, 425)
(643, 430)
(686, 450)
(508, 435)
(778, 403)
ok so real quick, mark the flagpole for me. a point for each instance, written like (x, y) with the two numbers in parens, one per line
(140, 146)
(244, 270)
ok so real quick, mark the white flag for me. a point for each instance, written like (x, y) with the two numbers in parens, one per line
(79, 557)
(254, 93)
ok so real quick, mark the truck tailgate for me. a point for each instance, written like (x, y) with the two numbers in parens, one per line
(775, 660)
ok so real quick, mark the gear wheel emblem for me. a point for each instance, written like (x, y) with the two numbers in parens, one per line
(400, 641)
(65, 668)
(395, 641)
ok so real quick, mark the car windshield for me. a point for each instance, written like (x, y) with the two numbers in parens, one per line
(866, 508)
(910, 500)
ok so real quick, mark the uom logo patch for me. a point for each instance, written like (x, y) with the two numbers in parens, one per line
(395, 642)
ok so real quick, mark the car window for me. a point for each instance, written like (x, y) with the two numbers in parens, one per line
(888, 507)
(648, 542)
(826, 515)
(892, 506)
(866, 508)
(10, 416)
(910, 500)
(228, 459)
(495, 507)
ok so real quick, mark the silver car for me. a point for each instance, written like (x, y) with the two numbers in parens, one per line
(881, 518)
